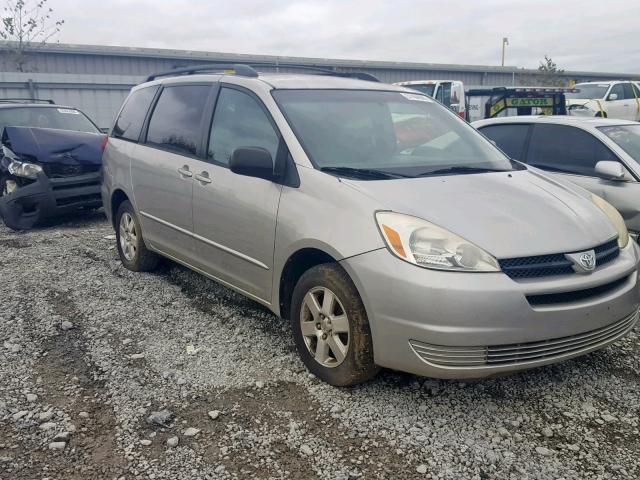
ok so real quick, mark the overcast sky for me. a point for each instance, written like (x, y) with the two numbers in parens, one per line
(578, 34)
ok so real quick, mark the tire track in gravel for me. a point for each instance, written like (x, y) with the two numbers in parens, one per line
(73, 385)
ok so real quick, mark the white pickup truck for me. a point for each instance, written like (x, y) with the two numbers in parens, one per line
(447, 92)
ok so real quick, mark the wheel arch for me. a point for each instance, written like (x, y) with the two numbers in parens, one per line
(298, 262)
(117, 198)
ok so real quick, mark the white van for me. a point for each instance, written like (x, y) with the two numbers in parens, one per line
(447, 92)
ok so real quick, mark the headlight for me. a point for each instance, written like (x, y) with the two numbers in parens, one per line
(615, 218)
(427, 245)
(24, 169)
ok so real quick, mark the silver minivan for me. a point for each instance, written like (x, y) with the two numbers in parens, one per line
(386, 229)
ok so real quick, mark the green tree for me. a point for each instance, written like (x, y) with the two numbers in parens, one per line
(27, 23)
(550, 74)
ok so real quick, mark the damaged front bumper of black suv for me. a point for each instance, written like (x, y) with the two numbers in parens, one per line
(46, 173)
(29, 204)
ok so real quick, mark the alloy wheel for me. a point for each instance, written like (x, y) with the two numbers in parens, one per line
(128, 237)
(325, 327)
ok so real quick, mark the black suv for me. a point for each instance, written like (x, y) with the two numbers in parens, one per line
(50, 161)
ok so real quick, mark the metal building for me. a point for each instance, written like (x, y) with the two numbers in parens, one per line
(96, 79)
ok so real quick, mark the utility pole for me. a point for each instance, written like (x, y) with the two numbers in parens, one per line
(505, 42)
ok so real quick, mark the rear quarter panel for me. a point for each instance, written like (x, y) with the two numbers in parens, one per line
(117, 172)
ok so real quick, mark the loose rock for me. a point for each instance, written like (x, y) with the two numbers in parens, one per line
(173, 441)
(161, 418)
(66, 325)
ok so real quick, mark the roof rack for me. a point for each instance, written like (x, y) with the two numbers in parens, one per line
(26, 100)
(500, 90)
(237, 69)
(321, 71)
(249, 70)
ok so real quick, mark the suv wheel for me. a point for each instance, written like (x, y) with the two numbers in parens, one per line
(133, 252)
(330, 327)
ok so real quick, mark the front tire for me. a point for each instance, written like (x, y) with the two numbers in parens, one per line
(330, 327)
(134, 254)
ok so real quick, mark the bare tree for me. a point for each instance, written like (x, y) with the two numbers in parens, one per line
(26, 23)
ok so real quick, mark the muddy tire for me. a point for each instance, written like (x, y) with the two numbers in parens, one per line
(330, 327)
(133, 252)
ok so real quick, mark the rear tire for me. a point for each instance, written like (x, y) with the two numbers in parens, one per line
(134, 254)
(330, 327)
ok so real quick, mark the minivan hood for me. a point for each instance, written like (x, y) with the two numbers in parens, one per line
(510, 214)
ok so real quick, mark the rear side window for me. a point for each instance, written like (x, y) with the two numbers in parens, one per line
(239, 121)
(509, 138)
(566, 149)
(175, 121)
(129, 123)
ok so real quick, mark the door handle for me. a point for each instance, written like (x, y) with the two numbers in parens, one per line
(185, 172)
(203, 177)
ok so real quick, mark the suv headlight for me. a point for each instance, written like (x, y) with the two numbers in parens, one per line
(24, 169)
(427, 245)
(615, 218)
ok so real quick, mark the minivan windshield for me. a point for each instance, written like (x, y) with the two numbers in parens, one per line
(588, 90)
(626, 136)
(378, 134)
(46, 117)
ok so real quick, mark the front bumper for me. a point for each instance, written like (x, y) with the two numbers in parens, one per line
(454, 325)
(49, 197)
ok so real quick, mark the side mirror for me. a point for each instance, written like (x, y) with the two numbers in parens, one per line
(252, 162)
(612, 96)
(610, 170)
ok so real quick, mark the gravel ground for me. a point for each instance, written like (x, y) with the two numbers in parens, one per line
(92, 355)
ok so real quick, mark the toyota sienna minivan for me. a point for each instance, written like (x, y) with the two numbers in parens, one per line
(385, 228)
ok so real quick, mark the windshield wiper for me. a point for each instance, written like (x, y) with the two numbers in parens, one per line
(460, 169)
(362, 172)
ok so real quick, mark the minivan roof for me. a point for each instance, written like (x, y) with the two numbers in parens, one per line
(286, 81)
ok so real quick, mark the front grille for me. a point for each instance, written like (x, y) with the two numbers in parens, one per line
(521, 353)
(576, 295)
(554, 264)
(67, 201)
(56, 170)
(75, 185)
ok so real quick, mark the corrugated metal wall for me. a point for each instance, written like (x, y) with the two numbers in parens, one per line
(96, 79)
(99, 96)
